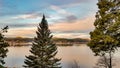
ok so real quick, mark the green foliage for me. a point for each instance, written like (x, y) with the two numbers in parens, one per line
(43, 49)
(3, 45)
(1, 66)
(106, 35)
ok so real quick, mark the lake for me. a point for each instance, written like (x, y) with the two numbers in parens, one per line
(81, 54)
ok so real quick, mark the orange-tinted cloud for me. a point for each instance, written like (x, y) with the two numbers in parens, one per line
(65, 29)
(79, 25)
(22, 32)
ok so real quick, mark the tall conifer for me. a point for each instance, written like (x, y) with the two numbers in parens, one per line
(106, 36)
(43, 49)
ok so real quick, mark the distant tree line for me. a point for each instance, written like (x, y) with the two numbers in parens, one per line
(20, 39)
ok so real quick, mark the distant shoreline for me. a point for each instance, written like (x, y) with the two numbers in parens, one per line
(59, 41)
(62, 44)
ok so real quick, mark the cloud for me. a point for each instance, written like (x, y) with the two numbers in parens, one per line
(63, 14)
(64, 17)
(71, 18)
(71, 35)
(76, 1)
(77, 29)
(71, 23)
(67, 2)
(77, 26)
(22, 25)
(70, 5)
(19, 25)
(24, 32)
(28, 16)
(31, 32)
(59, 10)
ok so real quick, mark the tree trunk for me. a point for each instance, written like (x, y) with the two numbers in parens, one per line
(110, 66)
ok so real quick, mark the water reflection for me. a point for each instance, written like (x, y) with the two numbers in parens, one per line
(81, 54)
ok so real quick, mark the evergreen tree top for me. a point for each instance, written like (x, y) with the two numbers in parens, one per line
(43, 16)
(44, 23)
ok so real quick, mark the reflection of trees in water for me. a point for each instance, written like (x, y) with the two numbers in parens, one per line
(104, 62)
(65, 44)
(74, 64)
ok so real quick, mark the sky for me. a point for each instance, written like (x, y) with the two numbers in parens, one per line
(66, 18)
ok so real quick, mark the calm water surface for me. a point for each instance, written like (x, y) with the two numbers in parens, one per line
(82, 54)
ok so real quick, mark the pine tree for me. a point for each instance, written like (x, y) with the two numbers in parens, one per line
(106, 35)
(43, 49)
(3, 46)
